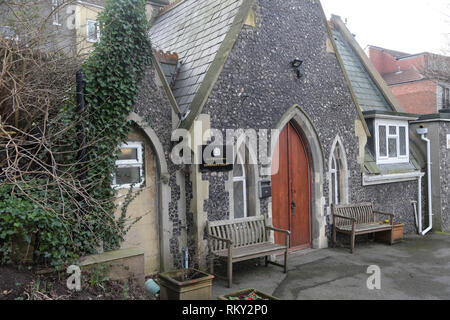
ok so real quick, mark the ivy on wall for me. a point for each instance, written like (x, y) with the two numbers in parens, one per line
(64, 198)
(112, 76)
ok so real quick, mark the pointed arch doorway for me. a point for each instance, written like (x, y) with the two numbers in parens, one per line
(291, 188)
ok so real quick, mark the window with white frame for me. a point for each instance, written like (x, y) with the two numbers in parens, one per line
(55, 5)
(338, 174)
(240, 208)
(445, 98)
(392, 141)
(335, 178)
(129, 166)
(92, 31)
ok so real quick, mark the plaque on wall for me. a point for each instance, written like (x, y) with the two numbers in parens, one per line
(216, 158)
(448, 141)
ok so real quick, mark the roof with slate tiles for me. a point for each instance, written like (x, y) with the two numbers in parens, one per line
(366, 91)
(368, 94)
(195, 30)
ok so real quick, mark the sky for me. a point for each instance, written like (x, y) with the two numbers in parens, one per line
(410, 26)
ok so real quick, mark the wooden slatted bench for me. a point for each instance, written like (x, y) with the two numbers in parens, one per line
(243, 239)
(357, 219)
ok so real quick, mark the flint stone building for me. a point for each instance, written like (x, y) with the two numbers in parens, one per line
(332, 131)
(264, 65)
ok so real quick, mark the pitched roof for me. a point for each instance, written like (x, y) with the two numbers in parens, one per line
(402, 76)
(366, 91)
(195, 30)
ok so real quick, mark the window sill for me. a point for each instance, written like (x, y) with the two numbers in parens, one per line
(370, 180)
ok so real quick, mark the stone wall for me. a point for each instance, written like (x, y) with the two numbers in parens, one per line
(258, 86)
(444, 168)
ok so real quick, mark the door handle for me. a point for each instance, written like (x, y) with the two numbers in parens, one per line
(293, 207)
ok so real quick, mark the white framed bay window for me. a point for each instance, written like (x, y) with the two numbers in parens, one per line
(392, 141)
(129, 169)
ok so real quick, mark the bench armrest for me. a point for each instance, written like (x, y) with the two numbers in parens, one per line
(391, 215)
(278, 230)
(220, 239)
(286, 232)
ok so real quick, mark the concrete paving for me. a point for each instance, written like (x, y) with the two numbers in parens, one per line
(415, 268)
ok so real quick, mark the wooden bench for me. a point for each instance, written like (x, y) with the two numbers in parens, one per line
(357, 219)
(243, 239)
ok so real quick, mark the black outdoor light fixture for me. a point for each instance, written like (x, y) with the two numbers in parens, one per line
(297, 63)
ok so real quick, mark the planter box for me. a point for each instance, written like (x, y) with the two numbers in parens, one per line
(386, 235)
(199, 287)
(236, 295)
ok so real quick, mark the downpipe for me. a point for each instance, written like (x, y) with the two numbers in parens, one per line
(422, 132)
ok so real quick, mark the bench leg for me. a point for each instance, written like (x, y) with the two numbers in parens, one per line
(230, 273)
(352, 243)
(266, 261)
(211, 264)
(286, 261)
(334, 237)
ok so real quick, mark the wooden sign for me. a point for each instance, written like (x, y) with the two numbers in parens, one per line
(214, 158)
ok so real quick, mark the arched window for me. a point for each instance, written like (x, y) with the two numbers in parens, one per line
(335, 172)
(338, 181)
(242, 184)
(240, 187)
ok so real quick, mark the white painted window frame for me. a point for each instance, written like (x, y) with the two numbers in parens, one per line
(241, 179)
(87, 31)
(55, 18)
(334, 178)
(139, 162)
(387, 124)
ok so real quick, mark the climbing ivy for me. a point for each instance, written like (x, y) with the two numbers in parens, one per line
(68, 204)
(112, 79)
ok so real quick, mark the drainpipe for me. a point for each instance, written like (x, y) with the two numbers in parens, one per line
(418, 206)
(423, 132)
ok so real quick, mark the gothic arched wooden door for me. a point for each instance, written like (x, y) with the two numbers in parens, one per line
(291, 194)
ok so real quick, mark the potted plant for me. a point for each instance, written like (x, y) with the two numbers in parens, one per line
(185, 284)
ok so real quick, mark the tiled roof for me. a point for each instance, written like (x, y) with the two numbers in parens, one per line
(371, 166)
(394, 53)
(195, 30)
(367, 93)
(403, 76)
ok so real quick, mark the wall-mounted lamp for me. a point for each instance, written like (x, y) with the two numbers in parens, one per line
(297, 63)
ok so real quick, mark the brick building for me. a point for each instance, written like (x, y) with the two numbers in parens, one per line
(421, 82)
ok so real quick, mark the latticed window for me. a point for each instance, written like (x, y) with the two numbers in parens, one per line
(392, 141)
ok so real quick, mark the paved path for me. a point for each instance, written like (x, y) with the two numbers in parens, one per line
(416, 268)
